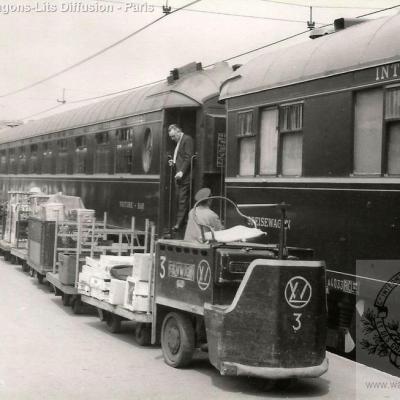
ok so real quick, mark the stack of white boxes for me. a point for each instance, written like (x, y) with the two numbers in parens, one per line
(137, 291)
(117, 286)
(95, 279)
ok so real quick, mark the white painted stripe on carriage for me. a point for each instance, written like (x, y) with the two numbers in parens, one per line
(362, 277)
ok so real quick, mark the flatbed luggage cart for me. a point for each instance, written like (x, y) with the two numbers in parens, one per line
(72, 241)
(92, 240)
(114, 315)
(16, 213)
(15, 219)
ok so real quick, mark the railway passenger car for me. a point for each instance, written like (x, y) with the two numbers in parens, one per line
(113, 154)
(317, 125)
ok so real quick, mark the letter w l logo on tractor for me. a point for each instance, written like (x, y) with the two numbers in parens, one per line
(298, 292)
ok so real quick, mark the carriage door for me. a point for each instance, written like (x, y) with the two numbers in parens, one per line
(186, 119)
(212, 158)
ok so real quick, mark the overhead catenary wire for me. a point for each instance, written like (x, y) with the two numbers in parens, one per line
(209, 65)
(96, 54)
(286, 3)
(228, 14)
(41, 112)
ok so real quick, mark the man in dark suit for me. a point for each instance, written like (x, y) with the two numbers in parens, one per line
(181, 160)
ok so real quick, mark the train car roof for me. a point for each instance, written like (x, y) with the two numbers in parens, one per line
(359, 46)
(190, 90)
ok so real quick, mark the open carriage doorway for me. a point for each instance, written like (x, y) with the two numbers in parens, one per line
(187, 120)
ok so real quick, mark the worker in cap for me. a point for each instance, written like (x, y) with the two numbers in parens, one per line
(201, 217)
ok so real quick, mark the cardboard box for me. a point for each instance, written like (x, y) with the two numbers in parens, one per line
(87, 269)
(92, 262)
(141, 304)
(139, 288)
(98, 282)
(94, 269)
(129, 293)
(141, 266)
(117, 292)
(52, 211)
(84, 277)
(84, 288)
(99, 294)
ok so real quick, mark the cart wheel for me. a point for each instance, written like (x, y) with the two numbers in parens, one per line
(39, 277)
(143, 334)
(57, 291)
(113, 323)
(102, 314)
(77, 306)
(25, 267)
(177, 340)
(66, 299)
(31, 272)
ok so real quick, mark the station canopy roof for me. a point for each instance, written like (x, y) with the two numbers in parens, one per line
(364, 45)
(190, 90)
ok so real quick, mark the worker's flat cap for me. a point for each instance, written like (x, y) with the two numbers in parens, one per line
(202, 194)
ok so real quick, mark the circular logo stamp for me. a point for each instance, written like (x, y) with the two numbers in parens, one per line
(203, 275)
(298, 292)
(384, 335)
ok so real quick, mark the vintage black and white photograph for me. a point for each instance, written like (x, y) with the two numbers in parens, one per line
(200, 199)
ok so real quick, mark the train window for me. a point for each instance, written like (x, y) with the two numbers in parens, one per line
(291, 136)
(33, 159)
(3, 161)
(80, 155)
(368, 115)
(246, 157)
(12, 162)
(103, 153)
(147, 150)
(102, 138)
(62, 156)
(22, 161)
(292, 150)
(245, 120)
(247, 143)
(269, 141)
(124, 150)
(47, 158)
(291, 118)
(392, 115)
(392, 104)
(393, 167)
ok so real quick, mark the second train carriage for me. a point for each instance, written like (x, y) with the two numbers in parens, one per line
(317, 125)
(113, 154)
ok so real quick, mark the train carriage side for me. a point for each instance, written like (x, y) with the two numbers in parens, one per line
(317, 125)
(113, 153)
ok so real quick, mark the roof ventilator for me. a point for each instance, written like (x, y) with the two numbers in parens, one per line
(338, 25)
(177, 73)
